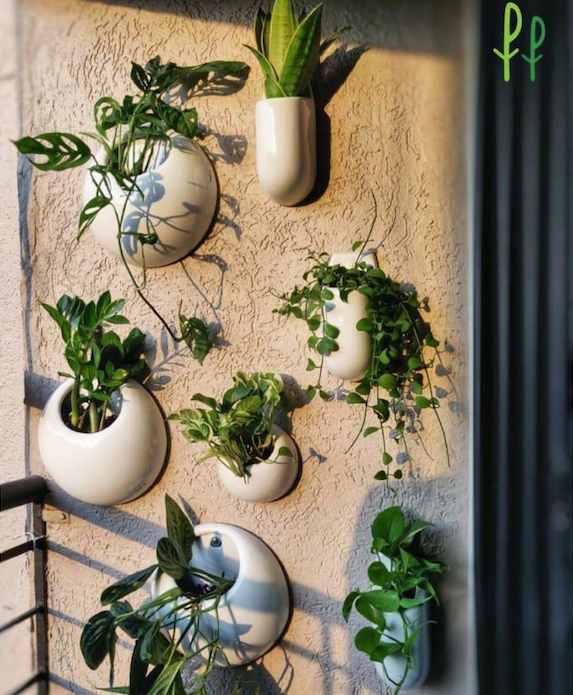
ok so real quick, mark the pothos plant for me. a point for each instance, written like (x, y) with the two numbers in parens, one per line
(131, 131)
(169, 631)
(288, 48)
(100, 361)
(400, 580)
(239, 429)
(397, 385)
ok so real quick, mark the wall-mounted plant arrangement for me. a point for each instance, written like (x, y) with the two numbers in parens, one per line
(256, 459)
(367, 328)
(288, 49)
(102, 436)
(219, 597)
(150, 191)
(397, 602)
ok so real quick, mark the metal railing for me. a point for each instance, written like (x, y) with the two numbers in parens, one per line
(31, 490)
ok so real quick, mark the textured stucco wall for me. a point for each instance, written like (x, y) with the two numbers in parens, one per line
(396, 121)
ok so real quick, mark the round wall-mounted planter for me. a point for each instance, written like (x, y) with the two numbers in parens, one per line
(392, 671)
(109, 467)
(178, 204)
(286, 148)
(269, 480)
(254, 613)
(352, 359)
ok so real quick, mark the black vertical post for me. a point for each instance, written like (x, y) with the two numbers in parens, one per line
(523, 456)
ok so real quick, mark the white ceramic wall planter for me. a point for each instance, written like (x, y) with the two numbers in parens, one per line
(352, 359)
(109, 467)
(392, 671)
(254, 613)
(178, 204)
(265, 481)
(286, 148)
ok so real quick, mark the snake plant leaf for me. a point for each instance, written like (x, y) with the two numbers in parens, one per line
(282, 29)
(260, 21)
(62, 150)
(272, 87)
(302, 54)
(327, 43)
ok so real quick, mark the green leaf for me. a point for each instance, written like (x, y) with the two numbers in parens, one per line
(356, 245)
(331, 331)
(384, 650)
(272, 87)
(354, 398)
(386, 458)
(387, 381)
(207, 400)
(285, 451)
(310, 365)
(283, 25)
(372, 614)
(364, 325)
(415, 363)
(170, 559)
(324, 46)
(348, 603)
(260, 20)
(423, 402)
(379, 574)
(412, 602)
(89, 213)
(195, 336)
(411, 639)
(389, 525)
(163, 684)
(385, 601)
(414, 529)
(179, 528)
(367, 639)
(370, 430)
(137, 671)
(61, 150)
(302, 55)
(126, 586)
(95, 638)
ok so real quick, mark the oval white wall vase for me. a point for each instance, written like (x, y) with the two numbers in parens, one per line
(269, 480)
(392, 671)
(352, 359)
(286, 148)
(109, 467)
(178, 204)
(254, 613)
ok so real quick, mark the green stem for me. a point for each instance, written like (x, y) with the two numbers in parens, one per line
(75, 402)
(94, 417)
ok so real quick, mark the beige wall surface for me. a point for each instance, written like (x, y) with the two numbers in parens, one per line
(395, 119)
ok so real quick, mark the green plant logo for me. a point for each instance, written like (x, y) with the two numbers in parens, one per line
(512, 25)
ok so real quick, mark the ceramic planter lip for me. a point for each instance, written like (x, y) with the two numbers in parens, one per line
(287, 98)
(268, 480)
(87, 465)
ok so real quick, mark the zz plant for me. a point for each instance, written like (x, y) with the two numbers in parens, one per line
(160, 655)
(239, 429)
(131, 131)
(100, 361)
(288, 48)
(397, 386)
(396, 577)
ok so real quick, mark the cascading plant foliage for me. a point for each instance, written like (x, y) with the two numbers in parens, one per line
(100, 361)
(400, 580)
(288, 48)
(159, 655)
(132, 131)
(397, 386)
(239, 429)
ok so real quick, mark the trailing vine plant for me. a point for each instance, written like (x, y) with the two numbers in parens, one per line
(400, 580)
(100, 361)
(164, 644)
(397, 386)
(239, 429)
(132, 132)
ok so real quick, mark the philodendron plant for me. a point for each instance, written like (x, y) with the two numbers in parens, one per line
(149, 121)
(288, 48)
(399, 581)
(239, 429)
(397, 385)
(160, 653)
(99, 360)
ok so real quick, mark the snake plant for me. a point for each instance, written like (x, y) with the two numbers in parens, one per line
(289, 49)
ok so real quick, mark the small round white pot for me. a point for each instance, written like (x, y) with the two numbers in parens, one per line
(286, 148)
(352, 359)
(269, 480)
(392, 671)
(254, 613)
(109, 467)
(178, 204)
